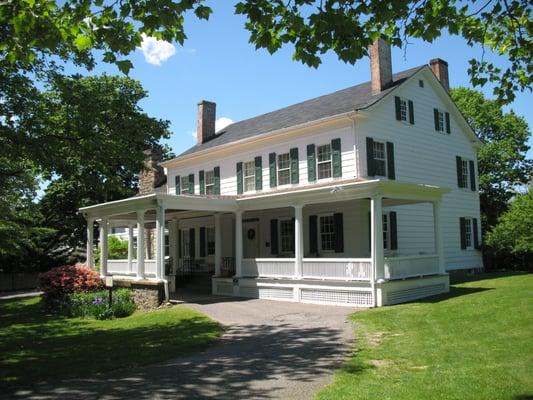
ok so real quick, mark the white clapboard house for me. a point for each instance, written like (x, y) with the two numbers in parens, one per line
(362, 197)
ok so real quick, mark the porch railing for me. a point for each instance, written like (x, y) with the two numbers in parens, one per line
(268, 267)
(121, 267)
(337, 268)
(411, 266)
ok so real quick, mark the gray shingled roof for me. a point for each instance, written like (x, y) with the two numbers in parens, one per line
(353, 98)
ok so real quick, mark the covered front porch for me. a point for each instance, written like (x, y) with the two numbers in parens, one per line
(329, 245)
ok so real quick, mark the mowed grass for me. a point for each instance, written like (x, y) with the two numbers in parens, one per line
(35, 346)
(474, 343)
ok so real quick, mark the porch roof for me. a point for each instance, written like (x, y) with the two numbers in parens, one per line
(393, 193)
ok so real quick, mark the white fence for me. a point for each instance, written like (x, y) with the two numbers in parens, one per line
(337, 268)
(268, 267)
(411, 266)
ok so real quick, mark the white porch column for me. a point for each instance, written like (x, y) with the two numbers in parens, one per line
(298, 240)
(160, 242)
(377, 236)
(173, 242)
(103, 246)
(439, 244)
(140, 245)
(130, 247)
(238, 244)
(90, 243)
(218, 245)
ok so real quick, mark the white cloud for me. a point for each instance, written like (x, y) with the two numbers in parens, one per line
(156, 51)
(220, 124)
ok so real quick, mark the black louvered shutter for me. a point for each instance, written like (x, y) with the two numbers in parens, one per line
(393, 231)
(447, 119)
(311, 163)
(339, 232)
(462, 227)
(273, 170)
(398, 110)
(411, 113)
(436, 118)
(274, 248)
(191, 183)
(179, 243)
(391, 173)
(370, 168)
(239, 178)
(258, 173)
(201, 178)
(313, 234)
(477, 245)
(191, 243)
(202, 241)
(336, 158)
(472, 176)
(177, 182)
(216, 176)
(295, 173)
(459, 166)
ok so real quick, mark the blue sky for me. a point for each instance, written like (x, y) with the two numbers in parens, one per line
(217, 63)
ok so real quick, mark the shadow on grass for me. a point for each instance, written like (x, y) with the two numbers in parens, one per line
(478, 277)
(454, 292)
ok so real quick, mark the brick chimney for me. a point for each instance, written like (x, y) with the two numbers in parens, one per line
(380, 65)
(207, 114)
(152, 175)
(440, 69)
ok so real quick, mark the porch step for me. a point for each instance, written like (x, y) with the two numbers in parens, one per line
(198, 282)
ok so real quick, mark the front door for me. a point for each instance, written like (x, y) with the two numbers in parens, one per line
(250, 240)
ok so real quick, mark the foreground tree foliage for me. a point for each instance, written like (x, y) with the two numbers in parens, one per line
(32, 29)
(513, 235)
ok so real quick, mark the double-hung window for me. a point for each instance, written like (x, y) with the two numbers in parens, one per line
(465, 173)
(327, 233)
(210, 182)
(284, 169)
(184, 184)
(210, 241)
(439, 123)
(380, 157)
(324, 161)
(403, 109)
(249, 176)
(468, 233)
(286, 230)
(386, 231)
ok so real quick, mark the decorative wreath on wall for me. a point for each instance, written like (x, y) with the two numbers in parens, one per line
(250, 234)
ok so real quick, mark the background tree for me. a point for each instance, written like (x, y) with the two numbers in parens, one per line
(503, 165)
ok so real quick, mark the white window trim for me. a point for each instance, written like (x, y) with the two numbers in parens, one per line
(466, 181)
(469, 223)
(406, 102)
(212, 185)
(384, 155)
(386, 232)
(244, 176)
(319, 232)
(441, 117)
(280, 241)
(324, 162)
(278, 170)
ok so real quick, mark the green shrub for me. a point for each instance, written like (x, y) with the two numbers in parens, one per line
(96, 304)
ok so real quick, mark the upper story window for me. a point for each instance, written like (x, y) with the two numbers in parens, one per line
(442, 121)
(210, 182)
(327, 233)
(380, 159)
(464, 173)
(184, 184)
(249, 176)
(324, 161)
(403, 109)
(210, 241)
(284, 169)
(286, 229)
(439, 125)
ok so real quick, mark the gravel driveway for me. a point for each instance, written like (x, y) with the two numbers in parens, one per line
(271, 350)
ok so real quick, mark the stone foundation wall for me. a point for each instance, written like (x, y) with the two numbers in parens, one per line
(147, 295)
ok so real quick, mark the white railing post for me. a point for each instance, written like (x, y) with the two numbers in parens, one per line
(90, 243)
(130, 247)
(103, 246)
(160, 242)
(140, 245)
(238, 244)
(439, 245)
(218, 245)
(298, 240)
(377, 236)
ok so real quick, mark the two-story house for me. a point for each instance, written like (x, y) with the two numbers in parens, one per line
(362, 197)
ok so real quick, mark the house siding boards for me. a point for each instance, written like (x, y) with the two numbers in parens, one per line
(423, 155)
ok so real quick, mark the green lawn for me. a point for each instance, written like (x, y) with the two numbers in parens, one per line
(474, 343)
(35, 346)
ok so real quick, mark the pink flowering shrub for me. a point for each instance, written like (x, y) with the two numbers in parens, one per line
(60, 281)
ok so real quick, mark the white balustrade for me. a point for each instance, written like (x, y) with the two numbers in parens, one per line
(268, 267)
(121, 267)
(411, 266)
(338, 268)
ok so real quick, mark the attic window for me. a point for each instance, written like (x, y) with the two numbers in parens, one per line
(421, 83)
